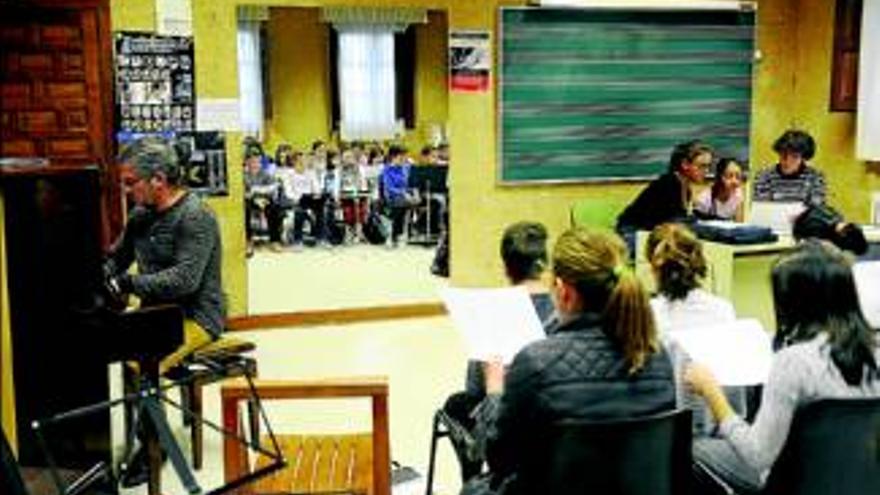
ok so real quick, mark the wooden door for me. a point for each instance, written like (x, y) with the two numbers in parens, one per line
(55, 89)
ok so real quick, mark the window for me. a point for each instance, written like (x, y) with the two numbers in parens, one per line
(372, 74)
(250, 77)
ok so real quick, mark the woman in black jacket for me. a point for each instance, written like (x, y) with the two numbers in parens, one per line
(603, 360)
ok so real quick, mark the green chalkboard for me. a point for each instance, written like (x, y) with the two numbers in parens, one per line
(605, 95)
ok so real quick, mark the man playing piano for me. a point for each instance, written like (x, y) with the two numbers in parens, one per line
(175, 240)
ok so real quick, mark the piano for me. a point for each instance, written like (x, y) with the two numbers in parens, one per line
(63, 337)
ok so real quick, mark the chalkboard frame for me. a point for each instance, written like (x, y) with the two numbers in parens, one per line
(745, 9)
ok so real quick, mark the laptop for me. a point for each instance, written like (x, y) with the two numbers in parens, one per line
(778, 216)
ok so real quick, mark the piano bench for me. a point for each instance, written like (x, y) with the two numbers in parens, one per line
(221, 359)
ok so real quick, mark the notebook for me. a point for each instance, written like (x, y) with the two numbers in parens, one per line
(779, 217)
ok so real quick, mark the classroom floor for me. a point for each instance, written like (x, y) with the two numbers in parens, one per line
(357, 275)
(423, 358)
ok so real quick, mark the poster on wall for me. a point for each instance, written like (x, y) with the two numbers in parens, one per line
(155, 87)
(470, 61)
(206, 172)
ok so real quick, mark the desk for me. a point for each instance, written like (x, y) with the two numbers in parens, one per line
(741, 273)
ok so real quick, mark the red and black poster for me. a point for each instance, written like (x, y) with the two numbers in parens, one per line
(470, 61)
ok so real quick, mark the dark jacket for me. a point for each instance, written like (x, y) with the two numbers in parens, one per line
(660, 202)
(576, 373)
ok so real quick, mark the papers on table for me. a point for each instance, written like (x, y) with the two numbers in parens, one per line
(779, 216)
(737, 353)
(493, 322)
(867, 277)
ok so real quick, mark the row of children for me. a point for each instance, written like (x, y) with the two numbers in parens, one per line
(333, 191)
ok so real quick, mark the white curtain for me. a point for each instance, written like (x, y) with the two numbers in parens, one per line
(868, 111)
(366, 82)
(250, 78)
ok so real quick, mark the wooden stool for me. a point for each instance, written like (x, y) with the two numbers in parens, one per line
(224, 358)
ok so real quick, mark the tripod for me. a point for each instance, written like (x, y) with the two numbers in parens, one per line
(148, 413)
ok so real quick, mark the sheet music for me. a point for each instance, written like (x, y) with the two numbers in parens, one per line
(737, 353)
(493, 322)
(867, 277)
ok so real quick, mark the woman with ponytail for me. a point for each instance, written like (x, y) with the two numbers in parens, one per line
(602, 360)
(678, 266)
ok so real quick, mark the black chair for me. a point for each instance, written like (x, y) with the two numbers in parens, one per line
(833, 448)
(641, 456)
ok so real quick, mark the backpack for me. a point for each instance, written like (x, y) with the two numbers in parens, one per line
(374, 229)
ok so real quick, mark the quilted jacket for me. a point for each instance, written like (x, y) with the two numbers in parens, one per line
(576, 373)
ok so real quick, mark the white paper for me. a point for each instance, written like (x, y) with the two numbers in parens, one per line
(867, 277)
(174, 17)
(737, 353)
(868, 110)
(493, 322)
(217, 114)
(779, 216)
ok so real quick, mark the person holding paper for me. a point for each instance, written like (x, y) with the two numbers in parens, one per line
(602, 360)
(678, 266)
(827, 351)
(524, 252)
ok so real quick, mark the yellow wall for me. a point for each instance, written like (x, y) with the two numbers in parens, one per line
(299, 78)
(850, 181)
(299, 75)
(7, 391)
(791, 87)
(133, 15)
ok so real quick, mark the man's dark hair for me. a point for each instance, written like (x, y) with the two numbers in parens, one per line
(524, 250)
(821, 221)
(687, 151)
(796, 141)
(153, 155)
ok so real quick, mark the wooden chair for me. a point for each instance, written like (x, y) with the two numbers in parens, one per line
(357, 463)
(224, 358)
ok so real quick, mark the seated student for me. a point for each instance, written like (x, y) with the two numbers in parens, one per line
(828, 351)
(823, 222)
(724, 199)
(302, 188)
(668, 198)
(678, 265)
(395, 190)
(261, 192)
(792, 179)
(524, 252)
(604, 313)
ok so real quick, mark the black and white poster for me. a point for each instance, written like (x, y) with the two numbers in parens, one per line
(155, 87)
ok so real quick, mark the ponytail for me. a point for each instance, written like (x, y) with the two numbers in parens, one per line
(630, 321)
